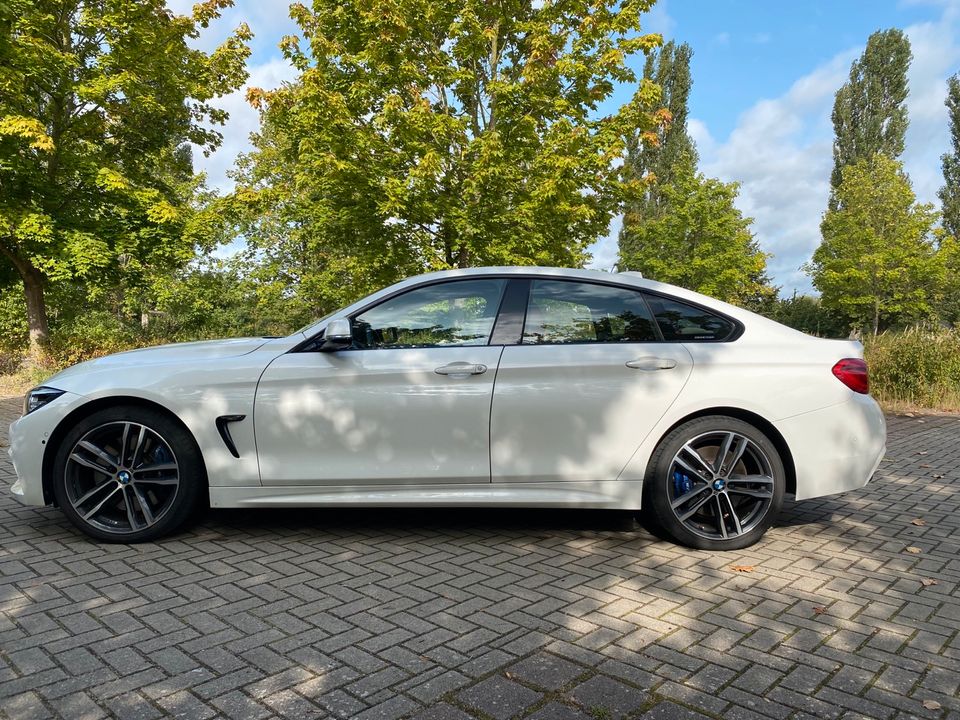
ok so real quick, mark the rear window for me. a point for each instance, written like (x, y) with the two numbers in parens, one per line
(680, 322)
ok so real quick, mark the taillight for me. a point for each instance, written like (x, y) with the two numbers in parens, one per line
(852, 372)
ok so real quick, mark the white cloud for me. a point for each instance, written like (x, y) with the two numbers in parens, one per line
(658, 20)
(781, 149)
(243, 121)
(780, 153)
(935, 56)
(269, 22)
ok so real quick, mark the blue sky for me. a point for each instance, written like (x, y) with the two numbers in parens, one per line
(764, 71)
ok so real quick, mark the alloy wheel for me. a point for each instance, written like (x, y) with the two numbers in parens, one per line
(721, 485)
(121, 477)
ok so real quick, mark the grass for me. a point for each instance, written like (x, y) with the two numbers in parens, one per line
(19, 382)
(915, 370)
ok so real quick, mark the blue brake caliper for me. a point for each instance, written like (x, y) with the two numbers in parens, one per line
(160, 455)
(681, 484)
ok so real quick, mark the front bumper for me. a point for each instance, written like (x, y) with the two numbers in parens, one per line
(28, 442)
(837, 448)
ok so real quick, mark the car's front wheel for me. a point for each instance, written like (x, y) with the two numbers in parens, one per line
(715, 483)
(128, 474)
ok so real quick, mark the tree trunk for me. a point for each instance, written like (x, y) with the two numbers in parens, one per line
(36, 315)
(876, 319)
(36, 305)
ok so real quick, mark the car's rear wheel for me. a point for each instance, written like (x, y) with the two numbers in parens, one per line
(715, 483)
(128, 474)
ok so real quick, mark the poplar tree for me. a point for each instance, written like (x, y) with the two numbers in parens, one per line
(949, 194)
(682, 227)
(869, 111)
(660, 153)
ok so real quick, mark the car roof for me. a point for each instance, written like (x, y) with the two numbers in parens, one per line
(630, 278)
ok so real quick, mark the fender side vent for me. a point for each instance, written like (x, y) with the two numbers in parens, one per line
(223, 427)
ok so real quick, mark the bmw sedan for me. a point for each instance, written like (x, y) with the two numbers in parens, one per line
(511, 387)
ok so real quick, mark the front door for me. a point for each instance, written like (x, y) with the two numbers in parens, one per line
(589, 381)
(409, 403)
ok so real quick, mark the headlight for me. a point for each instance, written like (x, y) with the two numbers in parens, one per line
(38, 397)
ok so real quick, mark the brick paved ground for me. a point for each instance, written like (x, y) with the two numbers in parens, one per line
(447, 615)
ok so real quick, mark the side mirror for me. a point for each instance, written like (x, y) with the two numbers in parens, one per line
(337, 335)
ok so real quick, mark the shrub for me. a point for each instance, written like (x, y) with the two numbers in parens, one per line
(90, 335)
(915, 367)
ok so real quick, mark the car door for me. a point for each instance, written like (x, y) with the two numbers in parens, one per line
(589, 380)
(408, 403)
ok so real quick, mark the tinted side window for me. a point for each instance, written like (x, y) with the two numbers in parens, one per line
(680, 322)
(562, 311)
(454, 313)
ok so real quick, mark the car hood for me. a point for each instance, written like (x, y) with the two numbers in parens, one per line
(178, 353)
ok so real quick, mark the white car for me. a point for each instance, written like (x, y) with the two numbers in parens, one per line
(513, 387)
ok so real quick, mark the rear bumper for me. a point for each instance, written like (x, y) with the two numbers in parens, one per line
(837, 448)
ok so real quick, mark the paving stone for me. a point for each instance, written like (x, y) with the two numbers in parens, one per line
(672, 711)
(556, 711)
(421, 613)
(546, 671)
(443, 711)
(498, 697)
(603, 693)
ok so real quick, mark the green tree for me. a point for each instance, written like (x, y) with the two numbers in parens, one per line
(701, 242)
(869, 111)
(429, 134)
(807, 314)
(98, 99)
(656, 155)
(950, 192)
(878, 263)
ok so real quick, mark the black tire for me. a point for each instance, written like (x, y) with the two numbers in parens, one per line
(716, 500)
(153, 492)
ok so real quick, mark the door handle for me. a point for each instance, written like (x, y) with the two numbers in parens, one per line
(652, 363)
(461, 368)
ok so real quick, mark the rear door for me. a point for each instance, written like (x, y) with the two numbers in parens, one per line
(589, 380)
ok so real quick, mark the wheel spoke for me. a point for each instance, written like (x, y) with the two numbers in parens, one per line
(80, 460)
(696, 506)
(722, 453)
(721, 525)
(733, 514)
(759, 479)
(136, 449)
(100, 504)
(704, 474)
(762, 494)
(144, 505)
(688, 496)
(158, 467)
(157, 481)
(123, 442)
(131, 515)
(102, 454)
(92, 492)
(698, 459)
(737, 449)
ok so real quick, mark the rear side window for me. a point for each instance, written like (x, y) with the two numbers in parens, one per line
(563, 312)
(680, 322)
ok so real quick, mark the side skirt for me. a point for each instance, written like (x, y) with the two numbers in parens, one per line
(614, 494)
